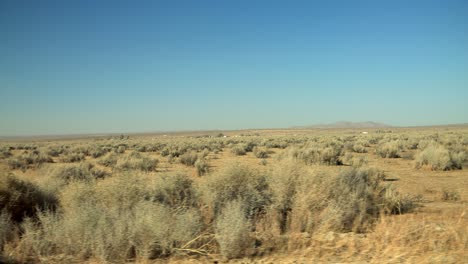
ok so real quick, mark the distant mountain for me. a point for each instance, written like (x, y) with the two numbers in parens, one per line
(347, 124)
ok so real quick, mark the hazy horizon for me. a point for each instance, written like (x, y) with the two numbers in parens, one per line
(124, 67)
(308, 126)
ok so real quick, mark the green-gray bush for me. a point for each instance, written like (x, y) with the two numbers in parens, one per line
(232, 230)
(202, 167)
(239, 150)
(320, 154)
(189, 158)
(109, 161)
(176, 191)
(114, 222)
(137, 163)
(239, 182)
(389, 149)
(72, 157)
(28, 159)
(82, 171)
(260, 153)
(439, 158)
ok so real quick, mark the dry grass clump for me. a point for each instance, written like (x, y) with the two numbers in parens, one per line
(97, 151)
(329, 154)
(202, 167)
(239, 149)
(233, 229)
(352, 200)
(109, 161)
(285, 182)
(190, 158)
(20, 198)
(360, 146)
(354, 160)
(242, 183)
(389, 149)
(261, 153)
(439, 158)
(175, 191)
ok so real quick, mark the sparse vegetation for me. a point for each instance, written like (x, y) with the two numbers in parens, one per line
(119, 200)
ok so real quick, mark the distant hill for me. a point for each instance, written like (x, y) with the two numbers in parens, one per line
(347, 124)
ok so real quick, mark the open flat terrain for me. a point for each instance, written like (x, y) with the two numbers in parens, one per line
(388, 195)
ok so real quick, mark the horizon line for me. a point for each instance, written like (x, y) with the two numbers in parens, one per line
(136, 133)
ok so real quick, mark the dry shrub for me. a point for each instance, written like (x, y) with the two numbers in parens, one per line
(239, 149)
(72, 157)
(109, 160)
(113, 221)
(97, 151)
(137, 162)
(145, 231)
(327, 154)
(439, 158)
(175, 191)
(284, 183)
(22, 199)
(389, 149)
(82, 171)
(232, 230)
(360, 146)
(350, 201)
(26, 160)
(202, 167)
(242, 183)
(450, 195)
(261, 153)
(6, 228)
(5, 152)
(355, 160)
(120, 149)
(189, 158)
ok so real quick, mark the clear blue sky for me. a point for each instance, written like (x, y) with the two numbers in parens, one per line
(111, 66)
